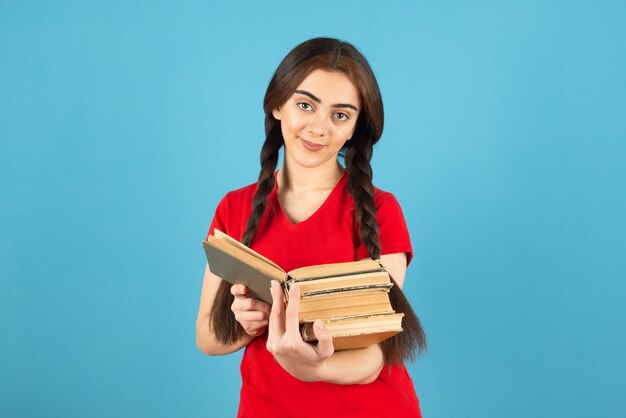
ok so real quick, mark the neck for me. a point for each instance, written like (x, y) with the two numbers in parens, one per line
(296, 179)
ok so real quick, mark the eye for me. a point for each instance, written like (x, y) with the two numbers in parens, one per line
(304, 106)
(342, 116)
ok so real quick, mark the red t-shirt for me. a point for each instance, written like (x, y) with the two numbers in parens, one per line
(328, 236)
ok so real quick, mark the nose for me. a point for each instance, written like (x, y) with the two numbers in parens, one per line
(318, 124)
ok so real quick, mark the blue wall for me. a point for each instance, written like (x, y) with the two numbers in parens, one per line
(122, 125)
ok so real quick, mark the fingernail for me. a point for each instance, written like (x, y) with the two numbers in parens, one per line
(319, 325)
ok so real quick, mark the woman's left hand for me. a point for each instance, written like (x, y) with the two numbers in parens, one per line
(302, 360)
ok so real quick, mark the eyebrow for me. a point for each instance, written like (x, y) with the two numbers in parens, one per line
(314, 98)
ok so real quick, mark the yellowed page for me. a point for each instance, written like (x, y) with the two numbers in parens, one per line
(232, 241)
(322, 270)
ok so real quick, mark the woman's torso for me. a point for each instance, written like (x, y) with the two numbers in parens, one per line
(327, 236)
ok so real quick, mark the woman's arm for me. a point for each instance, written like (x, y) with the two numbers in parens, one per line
(319, 362)
(251, 313)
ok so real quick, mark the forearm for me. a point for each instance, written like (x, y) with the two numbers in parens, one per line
(349, 367)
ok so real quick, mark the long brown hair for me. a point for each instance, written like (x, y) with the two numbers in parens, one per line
(332, 55)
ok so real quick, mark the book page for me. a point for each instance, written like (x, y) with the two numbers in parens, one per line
(335, 269)
(232, 241)
(342, 282)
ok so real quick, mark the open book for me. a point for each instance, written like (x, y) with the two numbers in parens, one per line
(351, 298)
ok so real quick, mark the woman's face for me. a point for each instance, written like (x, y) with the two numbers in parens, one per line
(318, 118)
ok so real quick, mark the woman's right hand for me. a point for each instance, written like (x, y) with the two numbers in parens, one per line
(253, 314)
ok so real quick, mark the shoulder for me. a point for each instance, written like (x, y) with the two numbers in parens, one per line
(233, 211)
(388, 209)
(238, 196)
(385, 203)
(385, 200)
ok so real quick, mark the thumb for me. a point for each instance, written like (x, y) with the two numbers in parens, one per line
(325, 346)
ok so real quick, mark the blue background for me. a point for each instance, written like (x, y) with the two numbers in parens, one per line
(123, 124)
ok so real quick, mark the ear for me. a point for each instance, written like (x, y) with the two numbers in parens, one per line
(276, 113)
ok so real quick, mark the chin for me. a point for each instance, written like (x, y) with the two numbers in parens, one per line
(309, 164)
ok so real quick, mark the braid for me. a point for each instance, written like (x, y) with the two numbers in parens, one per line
(223, 323)
(362, 190)
(269, 159)
(405, 344)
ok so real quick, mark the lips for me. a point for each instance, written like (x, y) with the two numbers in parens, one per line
(311, 146)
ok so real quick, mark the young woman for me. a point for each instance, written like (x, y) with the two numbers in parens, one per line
(322, 103)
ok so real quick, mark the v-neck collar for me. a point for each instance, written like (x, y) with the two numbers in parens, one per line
(291, 225)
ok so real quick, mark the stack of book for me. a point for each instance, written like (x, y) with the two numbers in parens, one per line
(352, 299)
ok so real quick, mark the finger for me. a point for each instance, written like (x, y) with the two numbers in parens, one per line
(256, 328)
(259, 305)
(324, 346)
(277, 315)
(292, 324)
(238, 290)
(260, 324)
(243, 303)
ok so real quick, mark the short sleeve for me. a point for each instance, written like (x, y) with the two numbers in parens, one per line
(394, 234)
(220, 217)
